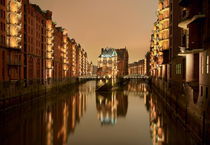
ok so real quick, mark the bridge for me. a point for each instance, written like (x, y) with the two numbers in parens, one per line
(136, 76)
(133, 76)
(88, 77)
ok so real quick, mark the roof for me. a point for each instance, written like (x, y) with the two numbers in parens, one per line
(108, 52)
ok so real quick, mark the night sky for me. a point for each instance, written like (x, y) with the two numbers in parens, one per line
(105, 23)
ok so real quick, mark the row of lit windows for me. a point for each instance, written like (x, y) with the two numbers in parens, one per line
(164, 34)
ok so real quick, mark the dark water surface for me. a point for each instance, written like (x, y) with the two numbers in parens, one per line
(131, 116)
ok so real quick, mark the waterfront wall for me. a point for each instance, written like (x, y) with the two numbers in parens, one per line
(15, 93)
(185, 106)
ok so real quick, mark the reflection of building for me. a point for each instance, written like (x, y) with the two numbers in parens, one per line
(69, 115)
(156, 125)
(138, 88)
(110, 106)
(113, 62)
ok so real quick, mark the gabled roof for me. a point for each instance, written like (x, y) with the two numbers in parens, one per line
(108, 52)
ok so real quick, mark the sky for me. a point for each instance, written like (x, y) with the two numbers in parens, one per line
(97, 24)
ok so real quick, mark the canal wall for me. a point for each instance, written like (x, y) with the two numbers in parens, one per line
(15, 93)
(186, 106)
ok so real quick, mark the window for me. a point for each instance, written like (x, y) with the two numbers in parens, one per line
(2, 2)
(207, 92)
(201, 91)
(207, 64)
(179, 69)
(201, 65)
(1, 13)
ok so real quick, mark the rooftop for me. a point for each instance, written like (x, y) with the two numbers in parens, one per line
(108, 52)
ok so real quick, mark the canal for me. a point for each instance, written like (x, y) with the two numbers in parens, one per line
(133, 115)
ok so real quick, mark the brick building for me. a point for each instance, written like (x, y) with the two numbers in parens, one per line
(78, 60)
(58, 60)
(107, 63)
(3, 66)
(72, 57)
(50, 53)
(113, 62)
(195, 46)
(138, 68)
(122, 58)
(148, 67)
(12, 26)
(160, 41)
(34, 44)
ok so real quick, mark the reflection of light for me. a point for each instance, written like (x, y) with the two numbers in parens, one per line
(63, 130)
(145, 98)
(73, 112)
(49, 129)
(157, 131)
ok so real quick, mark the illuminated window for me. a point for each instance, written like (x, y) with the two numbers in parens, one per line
(207, 64)
(201, 65)
(179, 69)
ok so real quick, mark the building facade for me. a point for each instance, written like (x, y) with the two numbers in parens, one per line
(3, 66)
(186, 70)
(113, 62)
(34, 44)
(122, 55)
(195, 45)
(13, 67)
(160, 41)
(138, 68)
(107, 63)
(33, 49)
(72, 57)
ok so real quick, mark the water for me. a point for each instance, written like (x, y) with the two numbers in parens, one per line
(130, 116)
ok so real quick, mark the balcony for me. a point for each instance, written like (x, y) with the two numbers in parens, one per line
(184, 51)
(184, 24)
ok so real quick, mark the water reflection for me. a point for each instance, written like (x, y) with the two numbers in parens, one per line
(63, 118)
(136, 116)
(156, 128)
(50, 123)
(110, 106)
(164, 128)
(137, 88)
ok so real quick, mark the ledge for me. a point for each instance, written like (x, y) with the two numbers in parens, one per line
(184, 24)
